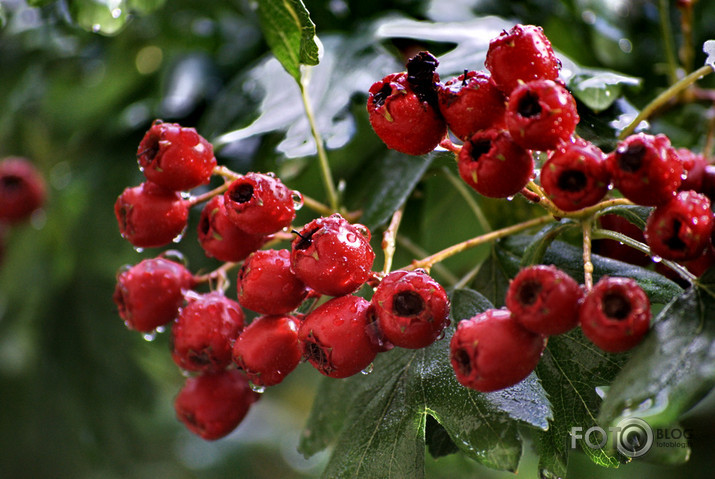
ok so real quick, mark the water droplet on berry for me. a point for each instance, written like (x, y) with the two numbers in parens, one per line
(185, 195)
(657, 259)
(179, 237)
(368, 369)
(160, 329)
(256, 388)
(149, 336)
(509, 198)
(441, 335)
(297, 200)
(186, 373)
(176, 256)
(270, 174)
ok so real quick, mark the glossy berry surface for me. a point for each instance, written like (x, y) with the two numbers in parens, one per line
(151, 216)
(220, 238)
(335, 339)
(681, 228)
(268, 349)
(491, 351)
(332, 256)
(403, 110)
(544, 300)
(22, 189)
(266, 284)
(494, 165)
(260, 203)
(471, 102)
(412, 309)
(541, 114)
(575, 176)
(203, 334)
(213, 405)
(522, 54)
(646, 169)
(694, 165)
(175, 157)
(615, 315)
(150, 293)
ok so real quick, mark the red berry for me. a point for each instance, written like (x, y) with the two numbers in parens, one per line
(175, 157)
(491, 351)
(220, 238)
(616, 250)
(575, 176)
(471, 102)
(332, 256)
(646, 169)
(615, 315)
(520, 55)
(151, 216)
(203, 334)
(150, 293)
(541, 114)
(268, 349)
(403, 109)
(694, 165)
(495, 166)
(708, 185)
(680, 229)
(544, 300)
(266, 284)
(260, 203)
(22, 189)
(335, 337)
(213, 405)
(412, 309)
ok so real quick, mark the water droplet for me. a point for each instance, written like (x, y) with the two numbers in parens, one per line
(176, 256)
(297, 200)
(138, 249)
(160, 329)
(270, 174)
(368, 369)
(509, 198)
(256, 388)
(149, 336)
(441, 335)
(657, 259)
(116, 13)
(96, 27)
(186, 373)
(185, 195)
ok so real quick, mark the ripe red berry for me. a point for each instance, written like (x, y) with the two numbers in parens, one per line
(495, 166)
(694, 165)
(471, 102)
(680, 229)
(22, 189)
(220, 238)
(491, 351)
(260, 203)
(544, 300)
(332, 256)
(213, 405)
(412, 309)
(403, 109)
(150, 293)
(575, 176)
(268, 349)
(646, 169)
(335, 339)
(203, 334)
(266, 284)
(541, 114)
(615, 315)
(520, 55)
(151, 216)
(175, 157)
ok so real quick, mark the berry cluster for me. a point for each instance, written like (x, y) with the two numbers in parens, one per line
(304, 296)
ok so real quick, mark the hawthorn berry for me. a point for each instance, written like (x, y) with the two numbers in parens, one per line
(260, 203)
(22, 189)
(521, 55)
(212, 405)
(492, 351)
(266, 283)
(150, 293)
(544, 299)
(220, 238)
(615, 314)
(334, 337)
(204, 331)
(471, 102)
(412, 309)
(646, 169)
(694, 165)
(332, 256)
(175, 157)
(575, 175)
(268, 349)
(680, 229)
(150, 215)
(494, 165)
(541, 114)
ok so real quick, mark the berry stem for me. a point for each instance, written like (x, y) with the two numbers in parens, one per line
(448, 145)
(587, 227)
(195, 200)
(416, 250)
(219, 275)
(667, 34)
(687, 51)
(388, 240)
(317, 206)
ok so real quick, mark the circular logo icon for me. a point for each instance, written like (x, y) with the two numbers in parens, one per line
(634, 438)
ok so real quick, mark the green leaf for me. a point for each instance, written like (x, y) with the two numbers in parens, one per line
(534, 253)
(290, 33)
(494, 274)
(599, 89)
(638, 215)
(100, 16)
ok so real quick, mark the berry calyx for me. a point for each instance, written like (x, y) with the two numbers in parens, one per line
(22, 189)
(266, 283)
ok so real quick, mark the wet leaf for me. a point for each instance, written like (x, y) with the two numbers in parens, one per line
(534, 253)
(599, 89)
(638, 215)
(100, 16)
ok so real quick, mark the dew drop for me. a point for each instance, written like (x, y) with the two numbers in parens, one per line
(138, 249)
(176, 256)
(297, 200)
(186, 373)
(256, 388)
(510, 198)
(116, 13)
(270, 174)
(657, 259)
(368, 369)
(441, 335)
(96, 27)
(160, 329)
(149, 336)
(185, 195)
(179, 237)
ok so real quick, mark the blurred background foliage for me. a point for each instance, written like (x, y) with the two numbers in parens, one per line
(81, 81)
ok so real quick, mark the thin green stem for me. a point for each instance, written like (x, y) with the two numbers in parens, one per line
(417, 251)
(465, 193)
(388, 240)
(587, 226)
(667, 34)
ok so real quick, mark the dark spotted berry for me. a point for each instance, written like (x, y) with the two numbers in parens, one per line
(22, 189)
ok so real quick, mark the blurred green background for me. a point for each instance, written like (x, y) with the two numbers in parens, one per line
(83, 397)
